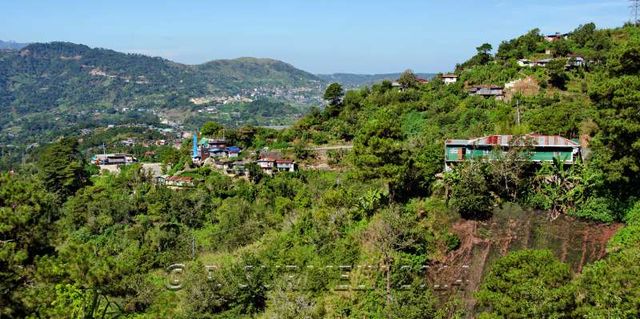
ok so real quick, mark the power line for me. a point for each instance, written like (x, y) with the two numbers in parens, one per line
(635, 8)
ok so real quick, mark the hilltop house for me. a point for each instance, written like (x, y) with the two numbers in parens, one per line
(555, 37)
(271, 162)
(266, 164)
(216, 143)
(572, 61)
(215, 148)
(113, 159)
(176, 181)
(217, 152)
(284, 165)
(528, 63)
(233, 151)
(487, 91)
(449, 78)
(545, 149)
(575, 61)
(542, 62)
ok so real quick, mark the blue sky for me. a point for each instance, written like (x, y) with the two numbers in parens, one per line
(320, 36)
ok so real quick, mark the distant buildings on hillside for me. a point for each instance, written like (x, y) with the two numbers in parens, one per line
(216, 153)
(573, 60)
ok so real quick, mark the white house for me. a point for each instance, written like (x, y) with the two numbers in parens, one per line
(449, 78)
(524, 63)
(555, 37)
(575, 61)
(266, 164)
(286, 165)
(542, 63)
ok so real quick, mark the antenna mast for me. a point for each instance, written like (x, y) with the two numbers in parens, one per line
(635, 8)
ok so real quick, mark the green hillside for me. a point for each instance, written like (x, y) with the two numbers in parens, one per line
(372, 225)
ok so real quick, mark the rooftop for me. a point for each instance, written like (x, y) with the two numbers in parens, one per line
(504, 140)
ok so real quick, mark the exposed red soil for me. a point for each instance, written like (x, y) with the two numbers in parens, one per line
(461, 272)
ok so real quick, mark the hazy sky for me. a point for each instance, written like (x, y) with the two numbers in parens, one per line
(320, 36)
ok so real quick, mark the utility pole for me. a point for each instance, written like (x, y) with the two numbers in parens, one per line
(193, 247)
(635, 8)
(518, 112)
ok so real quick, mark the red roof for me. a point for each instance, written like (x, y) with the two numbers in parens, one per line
(538, 139)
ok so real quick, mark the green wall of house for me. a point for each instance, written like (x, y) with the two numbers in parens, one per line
(454, 153)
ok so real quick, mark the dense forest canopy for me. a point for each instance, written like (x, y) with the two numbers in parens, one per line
(384, 216)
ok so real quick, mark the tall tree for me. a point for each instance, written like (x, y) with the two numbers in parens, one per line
(470, 192)
(333, 94)
(378, 149)
(211, 129)
(408, 79)
(62, 167)
(617, 98)
(557, 75)
(27, 214)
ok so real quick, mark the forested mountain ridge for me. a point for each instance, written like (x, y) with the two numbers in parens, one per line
(69, 82)
(382, 230)
(262, 71)
(45, 75)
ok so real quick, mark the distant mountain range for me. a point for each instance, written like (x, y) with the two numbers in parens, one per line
(11, 45)
(351, 80)
(46, 88)
(49, 86)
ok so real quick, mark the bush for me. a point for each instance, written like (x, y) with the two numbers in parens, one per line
(595, 208)
(470, 195)
(632, 217)
(527, 284)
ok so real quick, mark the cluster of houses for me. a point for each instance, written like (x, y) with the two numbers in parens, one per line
(544, 148)
(214, 148)
(573, 61)
(216, 153)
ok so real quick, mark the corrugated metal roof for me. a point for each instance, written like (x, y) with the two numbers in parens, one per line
(503, 140)
(457, 142)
